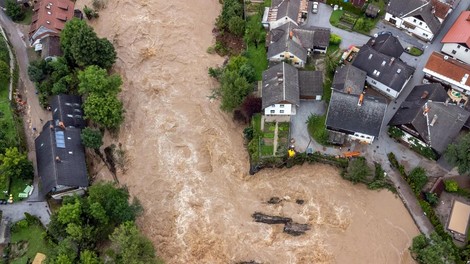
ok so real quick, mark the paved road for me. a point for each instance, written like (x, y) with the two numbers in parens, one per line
(298, 123)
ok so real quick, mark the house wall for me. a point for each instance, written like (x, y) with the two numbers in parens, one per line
(362, 137)
(445, 80)
(41, 31)
(457, 51)
(408, 138)
(420, 29)
(396, 21)
(382, 87)
(320, 50)
(296, 61)
(280, 109)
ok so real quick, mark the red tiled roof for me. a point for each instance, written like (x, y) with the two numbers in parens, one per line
(440, 9)
(51, 14)
(449, 67)
(460, 31)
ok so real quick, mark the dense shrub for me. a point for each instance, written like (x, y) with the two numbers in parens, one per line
(451, 186)
(335, 39)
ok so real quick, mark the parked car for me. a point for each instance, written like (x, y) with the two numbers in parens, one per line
(315, 7)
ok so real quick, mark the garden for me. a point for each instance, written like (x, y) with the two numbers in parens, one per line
(267, 140)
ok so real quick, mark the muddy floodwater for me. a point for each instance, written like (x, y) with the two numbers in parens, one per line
(187, 164)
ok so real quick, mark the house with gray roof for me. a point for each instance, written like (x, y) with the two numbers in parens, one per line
(289, 42)
(355, 116)
(387, 44)
(427, 117)
(60, 158)
(284, 11)
(349, 79)
(283, 86)
(67, 111)
(387, 74)
(422, 18)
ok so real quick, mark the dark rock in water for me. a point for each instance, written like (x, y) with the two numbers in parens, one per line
(299, 201)
(295, 229)
(274, 200)
(268, 219)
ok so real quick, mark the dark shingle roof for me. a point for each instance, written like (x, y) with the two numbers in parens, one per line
(289, 8)
(392, 74)
(311, 37)
(68, 109)
(282, 42)
(280, 84)
(71, 170)
(426, 14)
(348, 76)
(51, 47)
(448, 119)
(422, 9)
(344, 113)
(404, 7)
(387, 44)
(310, 83)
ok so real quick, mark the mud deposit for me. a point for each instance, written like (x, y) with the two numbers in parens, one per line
(187, 164)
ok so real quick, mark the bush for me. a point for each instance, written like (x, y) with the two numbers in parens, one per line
(417, 179)
(317, 129)
(393, 160)
(432, 198)
(395, 132)
(335, 39)
(451, 186)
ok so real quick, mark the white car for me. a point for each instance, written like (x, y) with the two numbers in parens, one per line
(315, 7)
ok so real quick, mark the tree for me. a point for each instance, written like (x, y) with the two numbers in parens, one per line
(14, 165)
(458, 154)
(417, 179)
(358, 170)
(128, 246)
(89, 257)
(250, 106)
(434, 250)
(82, 46)
(236, 25)
(37, 70)
(4, 72)
(104, 110)
(254, 32)
(96, 80)
(234, 88)
(335, 39)
(451, 186)
(92, 138)
(230, 8)
(14, 10)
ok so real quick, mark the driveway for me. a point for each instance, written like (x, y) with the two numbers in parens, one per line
(298, 124)
(322, 19)
(15, 212)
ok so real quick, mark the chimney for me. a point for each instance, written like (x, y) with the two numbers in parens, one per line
(349, 90)
(425, 94)
(51, 127)
(391, 61)
(291, 34)
(280, 80)
(361, 99)
(57, 159)
(61, 125)
(372, 42)
(426, 110)
(464, 78)
(279, 74)
(434, 119)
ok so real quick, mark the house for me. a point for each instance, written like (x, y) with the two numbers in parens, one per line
(296, 44)
(349, 79)
(355, 116)
(49, 19)
(283, 87)
(60, 158)
(387, 44)
(458, 220)
(385, 73)
(456, 43)
(285, 11)
(67, 111)
(451, 73)
(428, 118)
(50, 48)
(422, 18)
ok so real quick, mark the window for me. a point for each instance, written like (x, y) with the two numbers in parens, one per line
(466, 50)
(414, 20)
(281, 106)
(453, 51)
(424, 34)
(272, 111)
(420, 23)
(281, 111)
(282, 56)
(291, 56)
(296, 63)
(388, 90)
(458, 46)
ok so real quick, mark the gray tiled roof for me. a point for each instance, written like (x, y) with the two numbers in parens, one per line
(387, 44)
(71, 170)
(403, 7)
(310, 83)
(392, 74)
(348, 76)
(280, 84)
(289, 8)
(68, 109)
(449, 119)
(51, 47)
(345, 115)
(281, 42)
(426, 14)
(312, 37)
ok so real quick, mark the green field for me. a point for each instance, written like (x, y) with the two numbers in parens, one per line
(32, 234)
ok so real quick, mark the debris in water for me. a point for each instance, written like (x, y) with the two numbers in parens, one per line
(274, 200)
(295, 229)
(300, 201)
(269, 219)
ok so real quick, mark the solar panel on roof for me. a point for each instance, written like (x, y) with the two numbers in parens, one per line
(60, 139)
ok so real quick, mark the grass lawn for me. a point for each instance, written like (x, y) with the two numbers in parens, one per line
(32, 234)
(414, 51)
(18, 186)
(257, 58)
(266, 150)
(335, 16)
(317, 129)
(28, 15)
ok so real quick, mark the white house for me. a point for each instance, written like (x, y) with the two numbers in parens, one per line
(284, 11)
(457, 40)
(422, 18)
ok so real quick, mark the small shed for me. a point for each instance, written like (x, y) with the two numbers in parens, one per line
(372, 10)
(458, 220)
